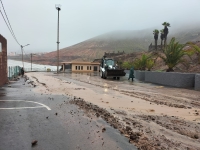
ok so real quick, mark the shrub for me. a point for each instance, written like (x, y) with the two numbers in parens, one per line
(173, 54)
(126, 65)
(146, 61)
(195, 49)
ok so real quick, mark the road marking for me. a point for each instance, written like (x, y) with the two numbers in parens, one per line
(24, 107)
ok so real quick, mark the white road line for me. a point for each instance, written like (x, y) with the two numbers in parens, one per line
(23, 107)
(27, 102)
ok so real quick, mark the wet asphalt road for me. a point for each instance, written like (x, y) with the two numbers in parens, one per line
(22, 122)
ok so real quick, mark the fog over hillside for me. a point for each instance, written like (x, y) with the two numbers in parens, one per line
(137, 40)
(117, 41)
(148, 33)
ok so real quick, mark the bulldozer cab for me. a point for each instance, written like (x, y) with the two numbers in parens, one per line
(107, 62)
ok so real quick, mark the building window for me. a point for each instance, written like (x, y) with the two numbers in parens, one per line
(76, 67)
(87, 67)
(95, 68)
(81, 67)
(90, 68)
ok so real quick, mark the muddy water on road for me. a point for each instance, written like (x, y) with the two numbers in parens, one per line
(166, 116)
(142, 97)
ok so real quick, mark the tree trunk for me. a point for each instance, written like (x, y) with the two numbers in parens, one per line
(161, 43)
(170, 70)
(156, 45)
(165, 42)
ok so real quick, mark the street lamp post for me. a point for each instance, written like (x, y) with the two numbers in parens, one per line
(23, 53)
(58, 7)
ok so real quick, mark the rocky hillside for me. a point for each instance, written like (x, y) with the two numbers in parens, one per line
(190, 65)
(127, 41)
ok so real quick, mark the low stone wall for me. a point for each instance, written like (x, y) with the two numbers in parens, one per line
(140, 75)
(174, 79)
(197, 82)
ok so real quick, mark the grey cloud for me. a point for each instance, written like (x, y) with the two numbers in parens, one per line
(35, 21)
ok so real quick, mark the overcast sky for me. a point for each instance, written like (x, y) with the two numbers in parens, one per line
(35, 21)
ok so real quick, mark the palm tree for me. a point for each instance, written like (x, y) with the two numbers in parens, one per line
(156, 32)
(165, 24)
(162, 37)
(173, 54)
(150, 63)
(142, 62)
(195, 49)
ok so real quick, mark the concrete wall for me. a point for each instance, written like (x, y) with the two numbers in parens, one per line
(84, 68)
(140, 75)
(174, 79)
(3, 61)
(197, 82)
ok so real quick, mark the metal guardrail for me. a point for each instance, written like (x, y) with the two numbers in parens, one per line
(39, 69)
(13, 72)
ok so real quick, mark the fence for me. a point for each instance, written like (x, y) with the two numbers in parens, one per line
(13, 72)
(38, 69)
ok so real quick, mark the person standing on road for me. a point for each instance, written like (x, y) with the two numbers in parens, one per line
(22, 71)
(131, 73)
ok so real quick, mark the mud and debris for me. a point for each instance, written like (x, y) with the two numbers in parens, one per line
(34, 143)
(142, 135)
(151, 117)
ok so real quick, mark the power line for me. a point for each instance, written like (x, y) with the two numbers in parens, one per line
(11, 30)
(6, 23)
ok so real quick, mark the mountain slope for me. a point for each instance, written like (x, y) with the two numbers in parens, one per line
(127, 41)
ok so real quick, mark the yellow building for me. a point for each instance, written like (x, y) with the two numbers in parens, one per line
(81, 66)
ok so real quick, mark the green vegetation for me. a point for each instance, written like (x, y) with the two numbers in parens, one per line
(173, 54)
(149, 64)
(162, 37)
(195, 49)
(127, 65)
(165, 24)
(156, 33)
(145, 62)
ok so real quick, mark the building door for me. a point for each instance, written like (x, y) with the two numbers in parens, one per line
(95, 68)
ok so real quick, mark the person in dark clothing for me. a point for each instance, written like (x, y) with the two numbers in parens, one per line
(22, 71)
(131, 73)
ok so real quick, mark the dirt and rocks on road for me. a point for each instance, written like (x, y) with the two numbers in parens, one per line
(138, 127)
(151, 117)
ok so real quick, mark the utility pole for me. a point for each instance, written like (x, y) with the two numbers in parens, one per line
(22, 56)
(31, 61)
(23, 53)
(58, 7)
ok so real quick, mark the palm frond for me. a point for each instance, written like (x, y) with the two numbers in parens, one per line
(195, 49)
(166, 24)
(142, 62)
(173, 54)
(162, 31)
(155, 31)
